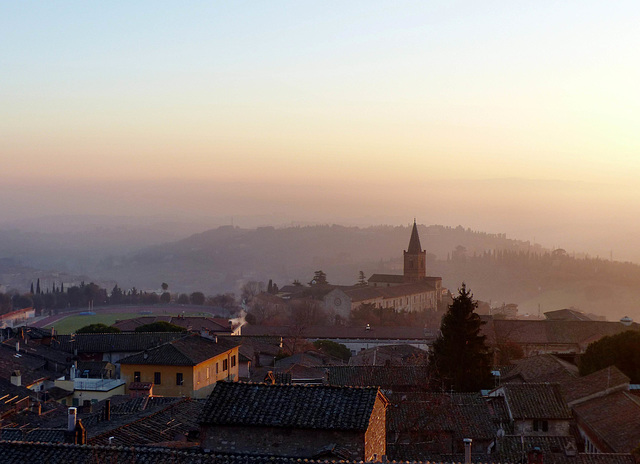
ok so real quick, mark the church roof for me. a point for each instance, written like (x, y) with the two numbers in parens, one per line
(414, 241)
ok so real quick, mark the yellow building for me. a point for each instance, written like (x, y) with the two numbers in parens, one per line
(189, 366)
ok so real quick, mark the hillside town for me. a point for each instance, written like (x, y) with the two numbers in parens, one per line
(299, 377)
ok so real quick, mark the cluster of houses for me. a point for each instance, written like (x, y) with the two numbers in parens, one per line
(411, 291)
(252, 394)
(212, 395)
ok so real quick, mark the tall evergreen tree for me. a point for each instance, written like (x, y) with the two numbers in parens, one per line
(319, 278)
(31, 291)
(38, 287)
(460, 360)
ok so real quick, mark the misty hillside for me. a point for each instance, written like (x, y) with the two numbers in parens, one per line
(496, 268)
(223, 258)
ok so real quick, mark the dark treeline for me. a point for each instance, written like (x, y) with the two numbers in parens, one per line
(51, 301)
(553, 267)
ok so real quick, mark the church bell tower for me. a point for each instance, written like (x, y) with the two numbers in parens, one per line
(415, 258)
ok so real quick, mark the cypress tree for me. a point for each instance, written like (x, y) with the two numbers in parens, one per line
(460, 360)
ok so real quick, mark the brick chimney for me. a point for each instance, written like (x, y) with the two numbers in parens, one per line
(75, 433)
(467, 450)
(107, 410)
(535, 456)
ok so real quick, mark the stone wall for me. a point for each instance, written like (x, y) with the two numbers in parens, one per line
(375, 438)
(282, 441)
(559, 428)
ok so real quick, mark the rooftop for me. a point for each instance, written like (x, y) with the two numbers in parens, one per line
(379, 376)
(614, 419)
(337, 332)
(541, 368)
(112, 342)
(282, 405)
(186, 351)
(535, 401)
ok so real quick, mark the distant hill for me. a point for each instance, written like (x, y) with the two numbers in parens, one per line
(496, 268)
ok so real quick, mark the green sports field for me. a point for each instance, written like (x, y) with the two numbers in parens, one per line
(72, 323)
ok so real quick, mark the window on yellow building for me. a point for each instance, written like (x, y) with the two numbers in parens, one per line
(179, 379)
(136, 376)
(157, 378)
(217, 368)
(225, 365)
(233, 360)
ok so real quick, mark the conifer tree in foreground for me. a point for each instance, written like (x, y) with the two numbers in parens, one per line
(460, 360)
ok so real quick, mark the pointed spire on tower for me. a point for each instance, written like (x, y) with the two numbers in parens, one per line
(414, 241)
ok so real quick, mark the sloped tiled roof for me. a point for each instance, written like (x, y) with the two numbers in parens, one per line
(363, 294)
(309, 358)
(113, 342)
(21, 453)
(395, 354)
(465, 414)
(32, 368)
(188, 322)
(391, 278)
(299, 406)
(578, 333)
(167, 424)
(541, 368)
(337, 332)
(34, 435)
(605, 458)
(566, 315)
(535, 401)
(601, 382)
(299, 372)
(186, 351)
(514, 448)
(614, 418)
(397, 291)
(378, 376)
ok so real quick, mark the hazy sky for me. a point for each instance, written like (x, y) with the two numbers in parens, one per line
(517, 117)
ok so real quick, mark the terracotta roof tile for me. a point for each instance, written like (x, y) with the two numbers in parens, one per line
(186, 351)
(300, 406)
(535, 401)
(112, 342)
(386, 377)
(614, 418)
(541, 368)
(597, 383)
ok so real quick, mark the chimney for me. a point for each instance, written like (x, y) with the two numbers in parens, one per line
(18, 346)
(145, 355)
(71, 419)
(535, 456)
(16, 378)
(80, 434)
(107, 410)
(72, 371)
(467, 450)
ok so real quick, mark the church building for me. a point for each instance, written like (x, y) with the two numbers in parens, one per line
(415, 269)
